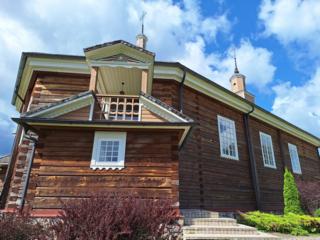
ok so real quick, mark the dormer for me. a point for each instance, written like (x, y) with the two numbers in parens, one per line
(120, 68)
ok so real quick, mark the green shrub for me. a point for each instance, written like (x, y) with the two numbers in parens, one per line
(316, 213)
(291, 195)
(291, 223)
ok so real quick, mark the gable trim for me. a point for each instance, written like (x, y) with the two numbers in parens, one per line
(102, 63)
(65, 107)
(160, 110)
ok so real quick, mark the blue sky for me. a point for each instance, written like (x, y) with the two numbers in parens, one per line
(277, 44)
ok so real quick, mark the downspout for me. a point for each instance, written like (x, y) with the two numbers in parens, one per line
(318, 153)
(25, 187)
(283, 161)
(253, 166)
(181, 91)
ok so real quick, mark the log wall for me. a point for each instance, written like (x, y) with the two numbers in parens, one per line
(79, 114)
(52, 87)
(61, 169)
(202, 179)
(212, 182)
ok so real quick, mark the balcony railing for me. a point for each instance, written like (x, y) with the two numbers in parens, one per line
(119, 107)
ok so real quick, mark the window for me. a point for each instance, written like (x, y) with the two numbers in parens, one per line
(267, 150)
(295, 163)
(228, 138)
(108, 150)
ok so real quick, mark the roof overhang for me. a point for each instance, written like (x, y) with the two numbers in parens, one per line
(175, 71)
(110, 79)
(39, 62)
(36, 124)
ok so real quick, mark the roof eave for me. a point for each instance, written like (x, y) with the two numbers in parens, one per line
(316, 140)
(23, 60)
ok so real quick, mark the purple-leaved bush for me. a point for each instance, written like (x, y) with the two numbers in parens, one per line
(117, 217)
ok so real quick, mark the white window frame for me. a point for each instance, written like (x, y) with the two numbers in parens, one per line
(273, 160)
(220, 119)
(294, 157)
(108, 136)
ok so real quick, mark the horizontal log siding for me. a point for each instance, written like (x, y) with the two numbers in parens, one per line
(271, 180)
(79, 114)
(48, 88)
(52, 87)
(61, 169)
(206, 179)
(211, 182)
(148, 116)
(309, 161)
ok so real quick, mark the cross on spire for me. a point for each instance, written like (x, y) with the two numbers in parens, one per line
(236, 70)
(144, 13)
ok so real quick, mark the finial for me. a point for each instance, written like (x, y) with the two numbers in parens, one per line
(141, 38)
(236, 70)
(142, 21)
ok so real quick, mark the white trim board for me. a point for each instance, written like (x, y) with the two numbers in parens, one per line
(186, 129)
(161, 111)
(65, 107)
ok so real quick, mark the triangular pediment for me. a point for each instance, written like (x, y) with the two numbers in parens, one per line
(119, 51)
(119, 58)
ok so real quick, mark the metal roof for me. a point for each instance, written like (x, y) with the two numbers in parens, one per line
(118, 42)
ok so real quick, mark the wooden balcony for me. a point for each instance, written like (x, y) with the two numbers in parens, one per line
(119, 107)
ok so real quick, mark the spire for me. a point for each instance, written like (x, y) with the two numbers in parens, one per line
(238, 82)
(141, 38)
(236, 70)
(144, 13)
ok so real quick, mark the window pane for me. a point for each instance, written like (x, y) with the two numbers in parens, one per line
(109, 151)
(267, 150)
(227, 135)
(295, 162)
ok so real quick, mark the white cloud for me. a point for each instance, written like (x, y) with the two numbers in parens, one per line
(293, 22)
(300, 104)
(14, 39)
(60, 26)
(254, 62)
(296, 24)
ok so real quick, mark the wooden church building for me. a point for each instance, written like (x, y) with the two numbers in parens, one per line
(117, 120)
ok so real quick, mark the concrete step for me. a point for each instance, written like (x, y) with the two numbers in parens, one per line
(197, 213)
(234, 230)
(260, 236)
(210, 221)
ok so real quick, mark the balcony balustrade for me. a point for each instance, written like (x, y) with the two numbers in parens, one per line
(119, 107)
